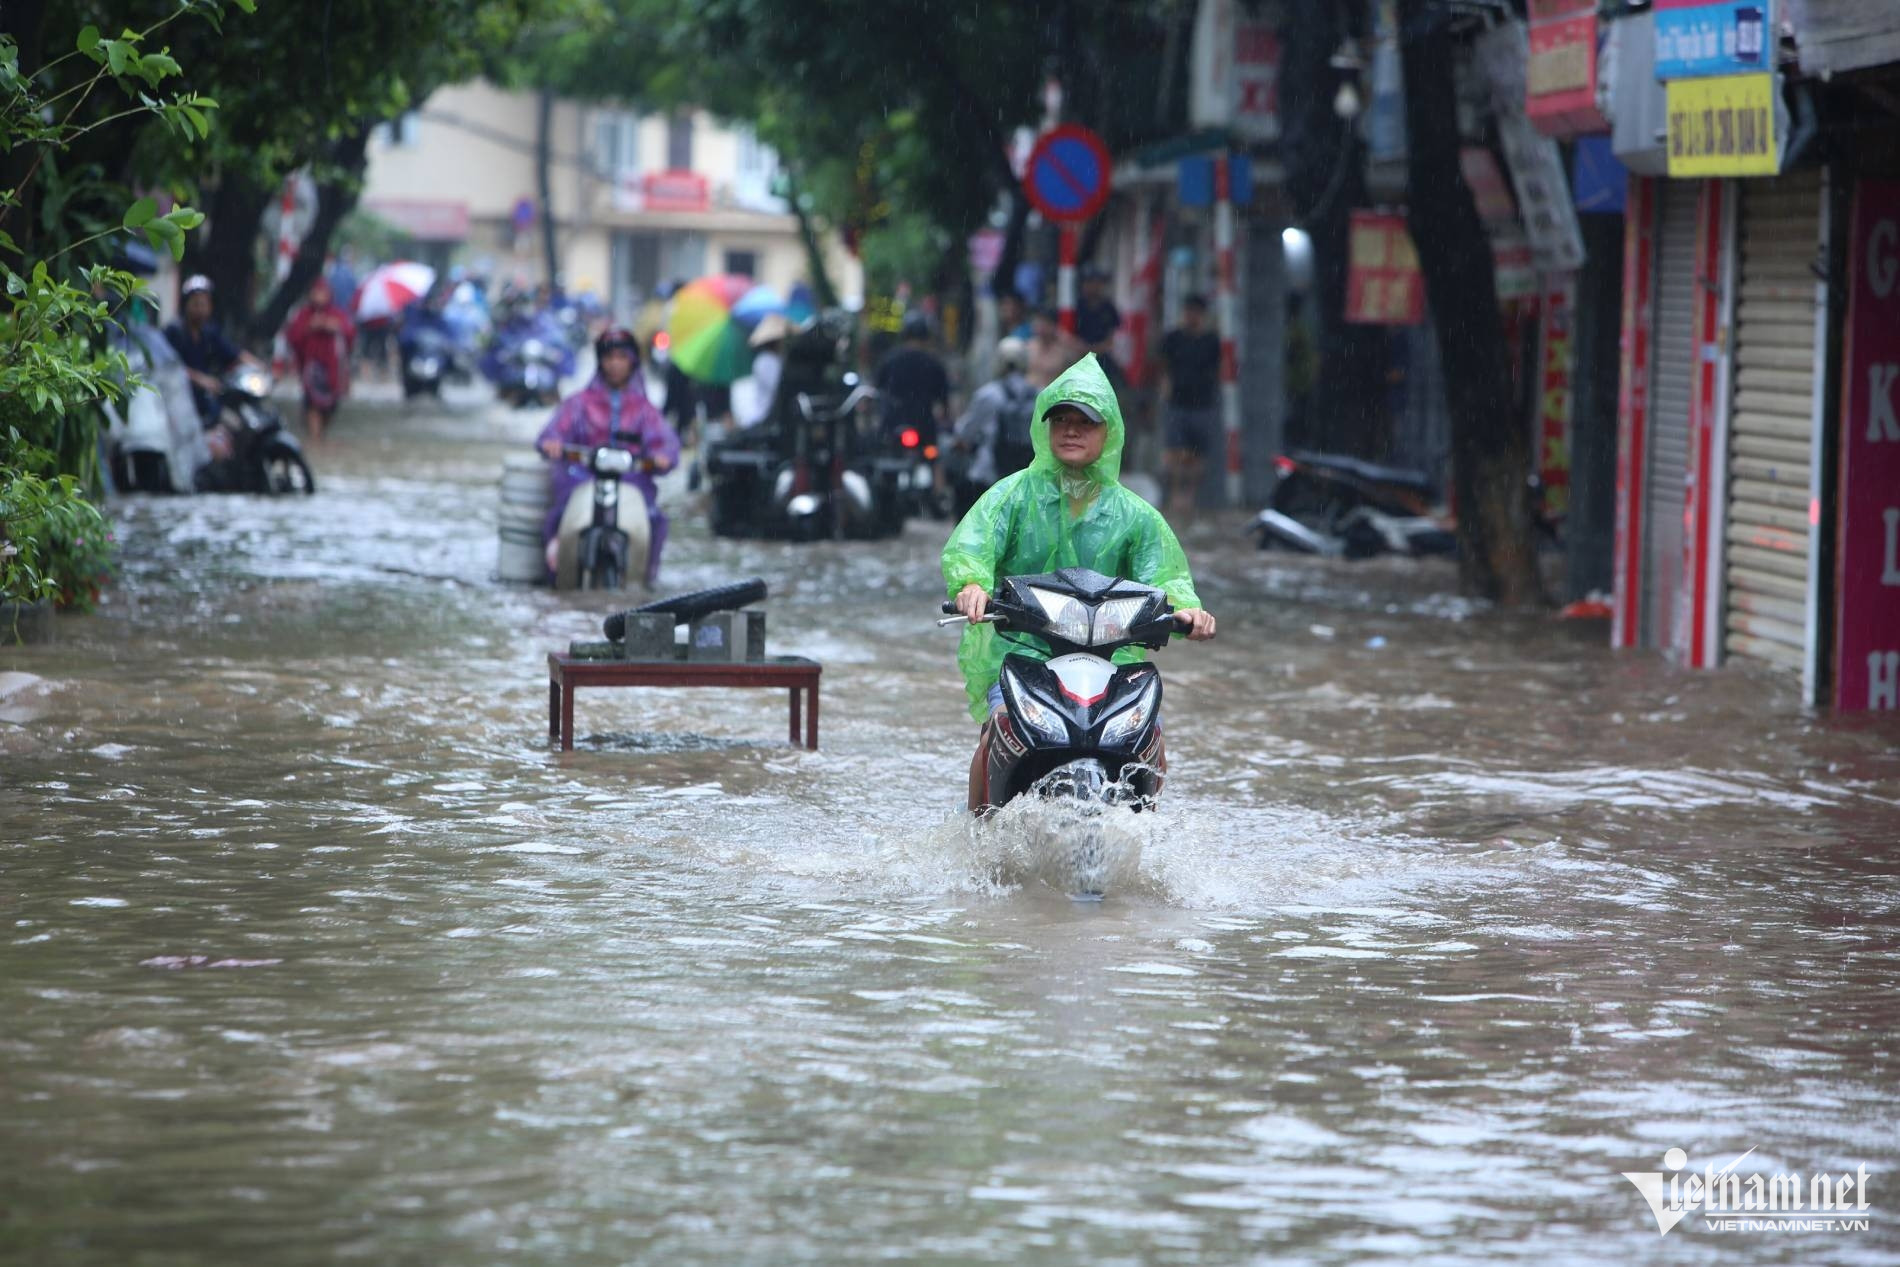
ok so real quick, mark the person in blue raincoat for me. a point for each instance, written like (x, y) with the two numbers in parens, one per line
(1067, 509)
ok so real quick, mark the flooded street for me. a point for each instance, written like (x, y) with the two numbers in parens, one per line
(1448, 920)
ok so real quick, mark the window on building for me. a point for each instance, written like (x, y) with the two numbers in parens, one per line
(756, 173)
(616, 143)
(401, 130)
(679, 142)
(744, 263)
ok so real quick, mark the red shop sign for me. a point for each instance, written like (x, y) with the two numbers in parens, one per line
(1384, 286)
(1560, 78)
(1867, 647)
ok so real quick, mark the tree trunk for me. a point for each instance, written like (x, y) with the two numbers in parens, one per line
(825, 293)
(1490, 455)
(336, 198)
(1325, 181)
(544, 181)
(225, 250)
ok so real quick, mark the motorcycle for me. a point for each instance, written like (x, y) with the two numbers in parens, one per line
(820, 493)
(1327, 503)
(265, 457)
(1077, 730)
(601, 533)
(531, 371)
(428, 356)
(155, 441)
(915, 466)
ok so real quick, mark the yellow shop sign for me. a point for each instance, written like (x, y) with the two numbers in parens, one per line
(1724, 126)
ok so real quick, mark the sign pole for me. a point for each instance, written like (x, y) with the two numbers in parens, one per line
(1065, 277)
(1227, 319)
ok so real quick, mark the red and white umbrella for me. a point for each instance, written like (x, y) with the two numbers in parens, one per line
(391, 288)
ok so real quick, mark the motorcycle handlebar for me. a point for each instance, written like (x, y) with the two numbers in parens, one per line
(584, 454)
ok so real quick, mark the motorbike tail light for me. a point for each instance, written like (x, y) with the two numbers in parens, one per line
(909, 437)
(930, 453)
(662, 341)
(1285, 465)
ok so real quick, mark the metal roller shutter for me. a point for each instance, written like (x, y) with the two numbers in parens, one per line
(1770, 428)
(1673, 373)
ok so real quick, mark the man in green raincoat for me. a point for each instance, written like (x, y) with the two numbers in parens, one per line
(1067, 509)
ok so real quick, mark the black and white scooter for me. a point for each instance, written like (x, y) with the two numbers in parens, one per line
(1077, 729)
(1077, 725)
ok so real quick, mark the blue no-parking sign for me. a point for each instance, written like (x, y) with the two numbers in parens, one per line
(1066, 177)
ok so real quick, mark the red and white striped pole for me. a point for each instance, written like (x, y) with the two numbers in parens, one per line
(286, 254)
(1227, 322)
(1065, 278)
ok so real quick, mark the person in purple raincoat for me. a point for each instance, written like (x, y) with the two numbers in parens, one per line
(614, 402)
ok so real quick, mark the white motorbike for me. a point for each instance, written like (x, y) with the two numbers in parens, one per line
(604, 532)
(155, 443)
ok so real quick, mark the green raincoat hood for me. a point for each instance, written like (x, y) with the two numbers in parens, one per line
(1085, 382)
(1024, 525)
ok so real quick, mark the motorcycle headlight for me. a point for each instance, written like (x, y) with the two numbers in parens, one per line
(1038, 718)
(1068, 616)
(1128, 723)
(533, 348)
(1113, 618)
(253, 381)
(613, 461)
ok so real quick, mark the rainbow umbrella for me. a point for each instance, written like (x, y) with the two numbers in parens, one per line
(757, 304)
(706, 331)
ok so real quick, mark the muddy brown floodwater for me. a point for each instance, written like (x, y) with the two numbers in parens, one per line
(312, 951)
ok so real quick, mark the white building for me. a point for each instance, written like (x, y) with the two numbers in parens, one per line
(638, 200)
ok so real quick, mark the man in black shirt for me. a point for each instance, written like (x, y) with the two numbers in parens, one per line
(913, 384)
(201, 345)
(1096, 321)
(1190, 364)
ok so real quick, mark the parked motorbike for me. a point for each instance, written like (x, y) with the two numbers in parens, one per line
(265, 457)
(1078, 730)
(822, 493)
(1328, 503)
(602, 533)
(155, 443)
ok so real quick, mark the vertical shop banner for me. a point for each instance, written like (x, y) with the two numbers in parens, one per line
(1867, 661)
(1383, 286)
(1561, 76)
(1724, 127)
(1554, 396)
(1696, 38)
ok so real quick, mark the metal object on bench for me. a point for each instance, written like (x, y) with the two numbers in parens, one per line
(796, 675)
(727, 637)
(649, 636)
(709, 638)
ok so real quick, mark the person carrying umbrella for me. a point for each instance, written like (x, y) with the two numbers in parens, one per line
(612, 408)
(320, 337)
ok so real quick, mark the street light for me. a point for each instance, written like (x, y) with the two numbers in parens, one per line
(1350, 62)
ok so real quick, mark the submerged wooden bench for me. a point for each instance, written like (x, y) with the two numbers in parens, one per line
(567, 675)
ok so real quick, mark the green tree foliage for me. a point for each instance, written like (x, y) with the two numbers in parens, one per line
(893, 119)
(60, 223)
